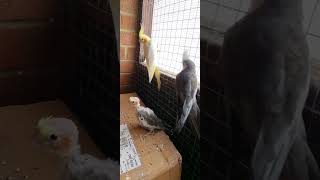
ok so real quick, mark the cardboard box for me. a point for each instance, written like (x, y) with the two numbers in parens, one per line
(159, 158)
(17, 147)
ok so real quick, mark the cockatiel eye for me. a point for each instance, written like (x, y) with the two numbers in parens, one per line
(53, 137)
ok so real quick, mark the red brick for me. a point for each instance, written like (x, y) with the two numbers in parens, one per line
(132, 54)
(130, 6)
(127, 66)
(127, 78)
(122, 53)
(127, 89)
(128, 38)
(128, 22)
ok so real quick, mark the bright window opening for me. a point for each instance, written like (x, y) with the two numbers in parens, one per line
(175, 28)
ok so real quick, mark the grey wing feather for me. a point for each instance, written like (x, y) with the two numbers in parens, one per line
(87, 167)
(186, 85)
(188, 103)
(150, 117)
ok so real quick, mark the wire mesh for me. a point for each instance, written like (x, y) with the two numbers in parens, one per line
(216, 17)
(219, 15)
(96, 93)
(166, 105)
(175, 28)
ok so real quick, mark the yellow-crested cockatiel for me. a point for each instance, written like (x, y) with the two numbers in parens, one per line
(150, 55)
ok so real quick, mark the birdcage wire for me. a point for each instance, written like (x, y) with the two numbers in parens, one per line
(226, 13)
(175, 27)
(217, 16)
(163, 102)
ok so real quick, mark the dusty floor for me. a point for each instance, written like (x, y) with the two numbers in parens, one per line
(17, 148)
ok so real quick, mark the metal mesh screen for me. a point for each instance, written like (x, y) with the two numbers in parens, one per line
(163, 102)
(96, 91)
(225, 145)
(175, 28)
(219, 15)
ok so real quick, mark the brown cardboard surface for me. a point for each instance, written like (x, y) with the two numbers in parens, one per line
(159, 158)
(18, 149)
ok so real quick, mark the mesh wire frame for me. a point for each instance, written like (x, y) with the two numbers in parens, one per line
(186, 143)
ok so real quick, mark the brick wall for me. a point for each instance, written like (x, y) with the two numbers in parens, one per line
(128, 44)
(31, 48)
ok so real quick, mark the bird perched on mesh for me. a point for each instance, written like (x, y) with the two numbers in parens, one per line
(267, 74)
(61, 135)
(186, 90)
(147, 118)
(151, 57)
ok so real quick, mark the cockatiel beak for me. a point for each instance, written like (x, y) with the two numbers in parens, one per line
(142, 37)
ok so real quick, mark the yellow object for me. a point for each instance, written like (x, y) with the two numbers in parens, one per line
(43, 127)
(150, 54)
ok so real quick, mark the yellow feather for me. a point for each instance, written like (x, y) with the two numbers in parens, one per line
(157, 75)
(43, 127)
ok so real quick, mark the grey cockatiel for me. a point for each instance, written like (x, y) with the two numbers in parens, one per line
(61, 135)
(147, 118)
(267, 81)
(186, 90)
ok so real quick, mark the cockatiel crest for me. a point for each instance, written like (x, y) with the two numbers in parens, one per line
(143, 37)
(150, 54)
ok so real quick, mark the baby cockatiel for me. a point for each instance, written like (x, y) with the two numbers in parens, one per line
(61, 135)
(115, 9)
(147, 118)
(151, 56)
(186, 90)
(267, 74)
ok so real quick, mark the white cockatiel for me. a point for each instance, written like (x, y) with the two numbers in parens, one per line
(61, 135)
(147, 118)
(151, 56)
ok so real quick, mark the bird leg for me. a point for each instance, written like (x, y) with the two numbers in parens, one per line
(143, 140)
(151, 132)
